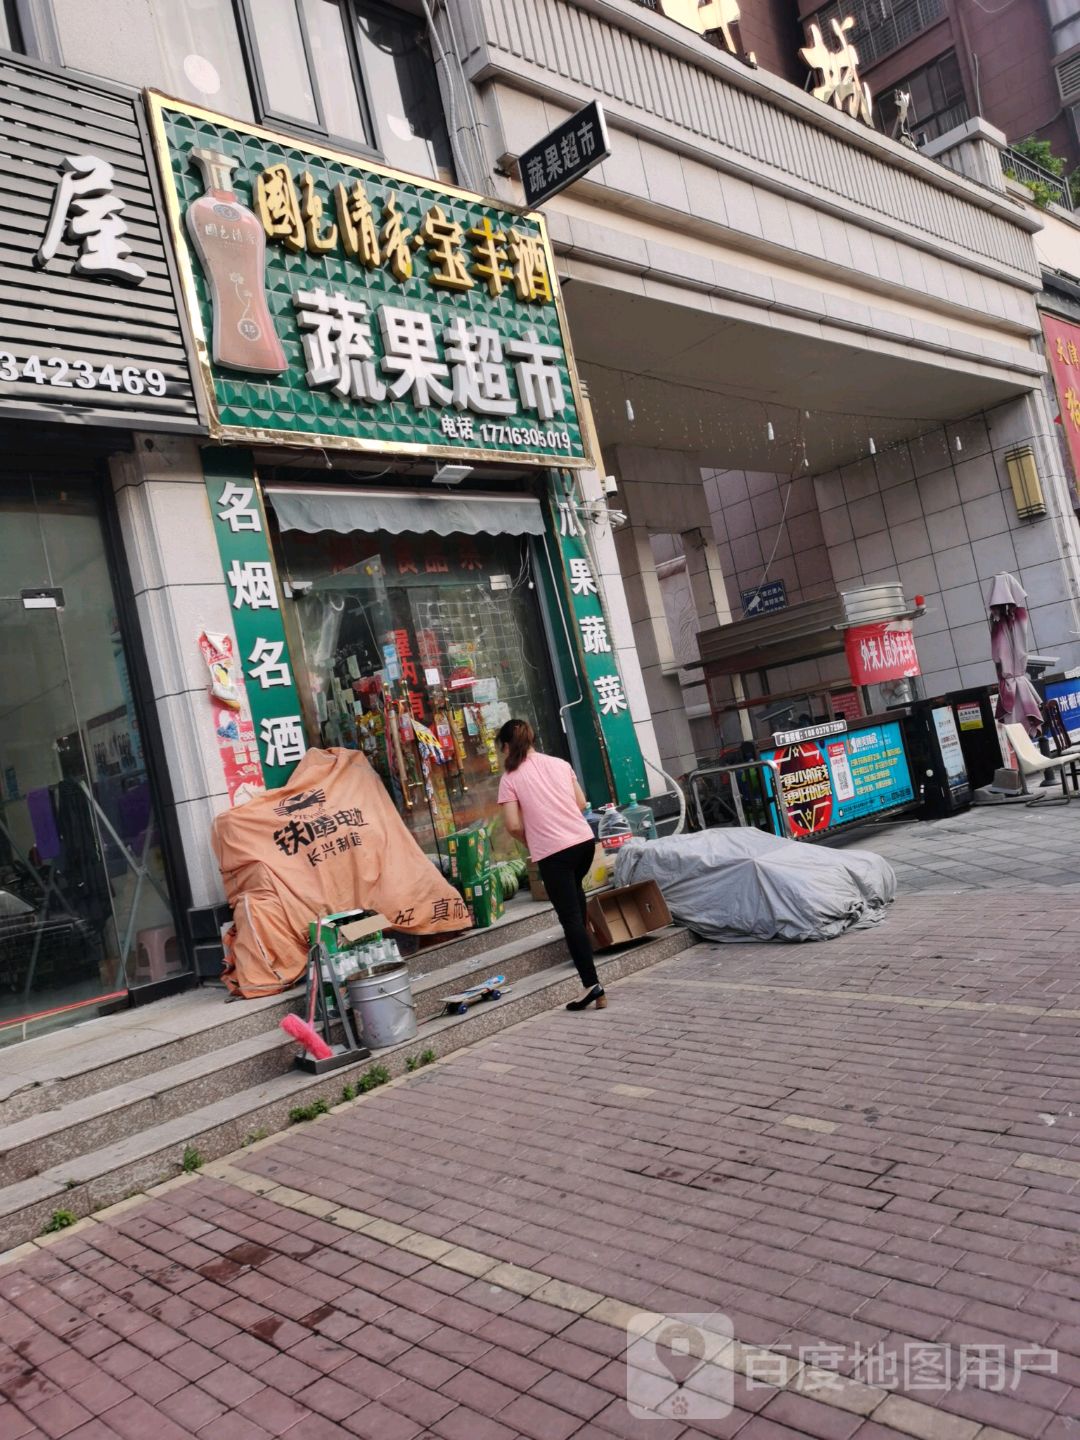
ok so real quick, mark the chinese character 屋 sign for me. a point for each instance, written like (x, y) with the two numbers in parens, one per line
(255, 605)
(599, 673)
(884, 651)
(564, 155)
(93, 333)
(344, 305)
(1063, 352)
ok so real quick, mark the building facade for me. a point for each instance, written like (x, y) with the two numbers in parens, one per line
(317, 421)
(810, 349)
(1010, 64)
(350, 489)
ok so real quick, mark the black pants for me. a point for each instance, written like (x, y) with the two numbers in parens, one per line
(562, 874)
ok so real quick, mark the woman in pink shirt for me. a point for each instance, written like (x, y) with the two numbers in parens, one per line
(542, 804)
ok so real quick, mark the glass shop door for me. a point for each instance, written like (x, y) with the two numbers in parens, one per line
(84, 905)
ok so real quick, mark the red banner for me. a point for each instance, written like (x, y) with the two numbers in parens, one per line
(232, 719)
(885, 651)
(1063, 352)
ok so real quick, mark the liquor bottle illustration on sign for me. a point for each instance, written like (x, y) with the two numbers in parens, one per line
(231, 247)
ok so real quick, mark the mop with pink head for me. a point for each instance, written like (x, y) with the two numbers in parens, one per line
(307, 1036)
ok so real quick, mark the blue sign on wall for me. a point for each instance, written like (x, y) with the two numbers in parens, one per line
(1067, 695)
(766, 599)
(837, 780)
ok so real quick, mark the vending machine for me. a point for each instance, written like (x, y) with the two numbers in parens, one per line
(952, 741)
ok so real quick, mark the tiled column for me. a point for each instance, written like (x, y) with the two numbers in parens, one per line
(179, 591)
(663, 493)
(653, 644)
(1047, 555)
(937, 513)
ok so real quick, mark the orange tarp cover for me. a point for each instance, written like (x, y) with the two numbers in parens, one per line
(330, 840)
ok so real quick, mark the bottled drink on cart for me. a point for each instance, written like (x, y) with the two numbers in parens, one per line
(641, 819)
(614, 830)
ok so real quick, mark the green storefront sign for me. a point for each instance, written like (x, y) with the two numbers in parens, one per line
(339, 304)
(240, 526)
(597, 669)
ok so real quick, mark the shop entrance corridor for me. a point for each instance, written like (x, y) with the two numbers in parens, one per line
(84, 904)
(419, 643)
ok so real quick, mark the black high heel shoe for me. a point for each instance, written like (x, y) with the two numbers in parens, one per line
(595, 997)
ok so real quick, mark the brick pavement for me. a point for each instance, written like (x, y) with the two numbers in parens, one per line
(868, 1143)
(983, 847)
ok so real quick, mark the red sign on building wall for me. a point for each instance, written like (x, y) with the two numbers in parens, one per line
(885, 651)
(1063, 352)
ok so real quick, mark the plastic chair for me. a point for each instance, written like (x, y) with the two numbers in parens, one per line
(1056, 730)
(1031, 762)
(157, 955)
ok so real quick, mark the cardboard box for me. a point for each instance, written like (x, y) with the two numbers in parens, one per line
(353, 934)
(615, 917)
(343, 930)
(469, 853)
(537, 888)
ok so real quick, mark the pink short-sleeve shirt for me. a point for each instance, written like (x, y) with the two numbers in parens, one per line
(543, 787)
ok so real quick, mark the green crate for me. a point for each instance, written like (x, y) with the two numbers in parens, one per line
(480, 896)
(469, 853)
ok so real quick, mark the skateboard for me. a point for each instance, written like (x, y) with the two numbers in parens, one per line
(490, 989)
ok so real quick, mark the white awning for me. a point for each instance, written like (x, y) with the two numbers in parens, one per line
(414, 512)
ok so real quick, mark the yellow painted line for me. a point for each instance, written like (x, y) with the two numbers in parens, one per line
(1049, 1165)
(809, 1122)
(828, 1387)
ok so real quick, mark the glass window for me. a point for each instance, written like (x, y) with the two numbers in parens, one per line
(9, 27)
(938, 102)
(188, 48)
(881, 26)
(306, 67)
(85, 912)
(333, 71)
(286, 77)
(416, 648)
(404, 91)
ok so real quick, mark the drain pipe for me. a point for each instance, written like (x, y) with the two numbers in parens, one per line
(471, 173)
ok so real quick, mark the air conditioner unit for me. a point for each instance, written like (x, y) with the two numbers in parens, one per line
(1068, 79)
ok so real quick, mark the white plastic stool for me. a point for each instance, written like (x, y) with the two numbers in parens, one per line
(157, 955)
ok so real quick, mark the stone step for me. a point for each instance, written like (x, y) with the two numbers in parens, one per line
(539, 950)
(111, 1172)
(43, 1074)
(52, 1070)
(49, 1138)
(40, 1142)
(523, 917)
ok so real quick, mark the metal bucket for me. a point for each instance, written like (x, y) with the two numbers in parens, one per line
(383, 1006)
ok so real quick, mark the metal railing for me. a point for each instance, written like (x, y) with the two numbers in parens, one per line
(737, 795)
(1019, 167)
(881, 26)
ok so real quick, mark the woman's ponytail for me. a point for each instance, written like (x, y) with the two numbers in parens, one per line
(517, 736)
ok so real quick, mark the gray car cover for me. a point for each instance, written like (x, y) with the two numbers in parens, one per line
(733, 885)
